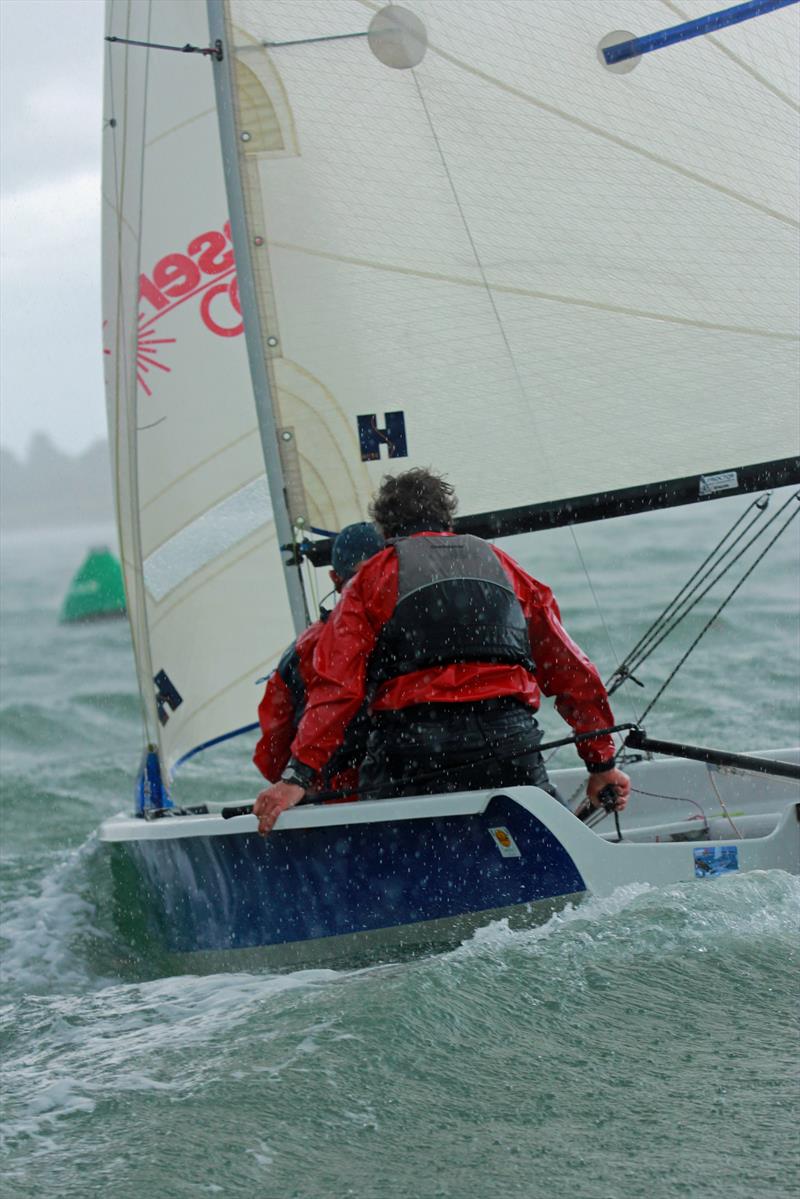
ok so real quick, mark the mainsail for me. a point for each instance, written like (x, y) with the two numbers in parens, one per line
(549, 277)
(463, 240)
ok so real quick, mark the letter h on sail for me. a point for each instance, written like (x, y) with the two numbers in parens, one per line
(167, 695)
(393, 436)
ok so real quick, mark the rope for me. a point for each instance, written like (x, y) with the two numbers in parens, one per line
(600, 814)
(725, 811)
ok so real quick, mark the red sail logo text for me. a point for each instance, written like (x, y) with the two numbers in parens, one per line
(206, 271)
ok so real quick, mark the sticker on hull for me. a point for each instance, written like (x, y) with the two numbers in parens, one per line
(712, 861)
(505, 842)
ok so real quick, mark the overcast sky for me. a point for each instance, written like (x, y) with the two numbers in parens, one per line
(51, 78)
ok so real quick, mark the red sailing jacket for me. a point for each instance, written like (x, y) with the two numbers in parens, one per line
(282, 707)
(368, 601)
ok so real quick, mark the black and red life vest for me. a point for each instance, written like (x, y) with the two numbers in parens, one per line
(455, 603)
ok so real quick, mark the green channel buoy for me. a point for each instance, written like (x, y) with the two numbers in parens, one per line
(97, 591)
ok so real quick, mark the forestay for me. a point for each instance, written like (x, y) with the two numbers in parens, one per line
(543, 276)
(207, 602)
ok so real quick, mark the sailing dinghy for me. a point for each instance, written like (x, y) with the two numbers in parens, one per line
(467, 234)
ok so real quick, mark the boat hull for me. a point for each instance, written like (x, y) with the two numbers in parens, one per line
(304, 884)
(426, 870)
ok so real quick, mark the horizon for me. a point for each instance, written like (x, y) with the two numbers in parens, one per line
(24, 454)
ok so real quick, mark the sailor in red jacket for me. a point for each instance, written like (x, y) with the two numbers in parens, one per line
(453, 644)
(284, 701)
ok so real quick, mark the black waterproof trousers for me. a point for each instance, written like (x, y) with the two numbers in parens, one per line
(429, 749)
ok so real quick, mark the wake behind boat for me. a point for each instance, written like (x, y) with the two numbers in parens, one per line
(574, 302)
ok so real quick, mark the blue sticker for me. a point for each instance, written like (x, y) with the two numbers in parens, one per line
(716, 860)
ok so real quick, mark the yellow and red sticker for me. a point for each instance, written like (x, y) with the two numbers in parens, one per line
(505, 842)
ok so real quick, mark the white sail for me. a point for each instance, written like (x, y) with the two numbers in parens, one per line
(207, 602)
(541, 276)
(544, 277)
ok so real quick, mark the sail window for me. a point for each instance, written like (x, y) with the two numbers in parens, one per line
(619, 37)
(397, 38)
(212, 534)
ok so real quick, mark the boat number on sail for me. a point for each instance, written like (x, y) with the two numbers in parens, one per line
(392, 436)
(204, 271)
(505, 842)
(713, 860)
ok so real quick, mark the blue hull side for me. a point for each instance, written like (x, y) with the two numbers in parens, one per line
(239, 891)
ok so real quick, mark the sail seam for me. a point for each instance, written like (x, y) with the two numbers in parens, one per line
(650, 155)
(247, 674)
(198, 116)
(259, 541)
(206, 511)
(552, 297)
(198, 466)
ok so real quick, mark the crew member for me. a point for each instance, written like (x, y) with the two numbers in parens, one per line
(454, 644)
(284, 701)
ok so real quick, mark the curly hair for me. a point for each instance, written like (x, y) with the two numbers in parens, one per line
(416, 501)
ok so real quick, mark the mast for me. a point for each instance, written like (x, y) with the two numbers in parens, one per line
(223, 86)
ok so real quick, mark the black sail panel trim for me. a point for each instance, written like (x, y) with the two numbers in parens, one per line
(603, 505)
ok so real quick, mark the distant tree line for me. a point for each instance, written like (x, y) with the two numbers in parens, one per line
(50, 487)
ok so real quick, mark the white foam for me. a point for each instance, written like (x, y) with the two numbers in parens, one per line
(39, 928)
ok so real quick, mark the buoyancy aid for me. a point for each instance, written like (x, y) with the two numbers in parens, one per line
(292, 667)
(288, 669)
(455, 603)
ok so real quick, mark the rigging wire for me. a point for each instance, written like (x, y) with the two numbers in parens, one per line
(656, 635)
(725, 602)
(794, 497)
(626, 667)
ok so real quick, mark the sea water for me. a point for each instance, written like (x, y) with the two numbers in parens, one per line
(640, 1045)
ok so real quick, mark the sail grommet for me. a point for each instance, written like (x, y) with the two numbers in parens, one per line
(245, 136)
(258, 241)
(397, 37)
(616, 38)
(272, 341)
